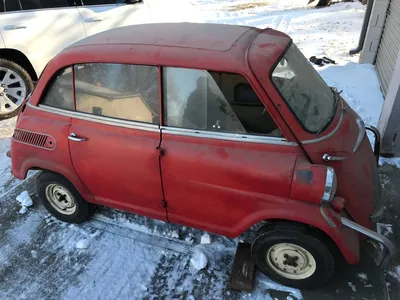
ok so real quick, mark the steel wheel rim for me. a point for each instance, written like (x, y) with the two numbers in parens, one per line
(13, 90)
(60, 199)
(291, 261)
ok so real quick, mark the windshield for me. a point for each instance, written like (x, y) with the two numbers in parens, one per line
(307, 94)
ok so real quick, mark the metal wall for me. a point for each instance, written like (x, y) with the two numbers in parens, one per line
(389, 45)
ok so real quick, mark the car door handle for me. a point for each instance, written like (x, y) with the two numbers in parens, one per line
(73, 137)
(327, 157)
(14, 27)
(92, 20)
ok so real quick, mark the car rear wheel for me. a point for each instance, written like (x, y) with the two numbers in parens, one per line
(15, 85)
(61, 198)
(294, 254)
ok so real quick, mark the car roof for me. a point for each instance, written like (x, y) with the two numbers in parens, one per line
(213, 37)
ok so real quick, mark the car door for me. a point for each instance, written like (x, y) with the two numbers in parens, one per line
(223, 154)
(114, 136)
(40, 28)
(101, 15)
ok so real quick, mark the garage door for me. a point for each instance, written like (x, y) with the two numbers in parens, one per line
(389, 46)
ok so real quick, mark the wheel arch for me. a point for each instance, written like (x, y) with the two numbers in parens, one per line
(19, 58)
(72, 178)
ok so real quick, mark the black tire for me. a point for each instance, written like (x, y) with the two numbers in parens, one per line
(83, 209)
(316, 243)
(25, 77)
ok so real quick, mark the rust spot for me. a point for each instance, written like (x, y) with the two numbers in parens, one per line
(304, 176)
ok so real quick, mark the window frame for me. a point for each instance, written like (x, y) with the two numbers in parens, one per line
(11, 11)
(222, 135)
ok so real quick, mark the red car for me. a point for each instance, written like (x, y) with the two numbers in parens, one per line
(217, 127)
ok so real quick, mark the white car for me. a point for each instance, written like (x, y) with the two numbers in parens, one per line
(32, 32)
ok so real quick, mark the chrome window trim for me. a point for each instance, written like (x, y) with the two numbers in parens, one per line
(166, 130)
(227, 136)
(361, 134)
(97, 119)
(325, 137)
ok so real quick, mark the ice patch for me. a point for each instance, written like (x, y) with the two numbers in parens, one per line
(83, 244)
(205, 239)
(353, 287)
(24, 199)
(385, 229)
(198, 260)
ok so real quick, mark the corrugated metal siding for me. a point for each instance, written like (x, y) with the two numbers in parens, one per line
(389, 46)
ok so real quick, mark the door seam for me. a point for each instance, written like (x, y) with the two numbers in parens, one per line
(160, 154)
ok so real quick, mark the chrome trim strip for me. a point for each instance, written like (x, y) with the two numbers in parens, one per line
(227, 136)
(327, 219)
(330, 185)
(361, 134)
(97, 119)
(390, 248)
(325, 137)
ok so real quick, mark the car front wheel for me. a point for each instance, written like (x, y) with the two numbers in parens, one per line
(294, 254)
(15, 86)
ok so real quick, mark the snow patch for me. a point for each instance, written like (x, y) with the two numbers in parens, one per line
(199, 260)
(205, 239)
(83, 244)
(362, 276)
(24, 199)
(395, 273)
(385, 229)
(175, 234)
(23, 210)
(394, 161)
(353, 287)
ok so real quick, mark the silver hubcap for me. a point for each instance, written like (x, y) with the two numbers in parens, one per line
(61, 199)
(12, 90)
(291, 261)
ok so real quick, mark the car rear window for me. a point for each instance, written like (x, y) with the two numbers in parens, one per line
(59, 92)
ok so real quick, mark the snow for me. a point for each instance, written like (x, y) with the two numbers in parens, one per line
(198, 260)
(205, 239)
(395, 273)
(175, 234)
(23, 210)
(353, 287)
(394, 161)
(362, 276)
(83, 244)
(24, 199)
(385, 229)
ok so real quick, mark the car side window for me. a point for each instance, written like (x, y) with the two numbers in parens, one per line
(59, 92)
(214, 101)
(12, 5)
(53, 3)
(128, 92)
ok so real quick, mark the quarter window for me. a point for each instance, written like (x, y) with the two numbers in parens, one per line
(53, 3)
(30, 4)
(214, 101)
(59, 93)
(128, 92)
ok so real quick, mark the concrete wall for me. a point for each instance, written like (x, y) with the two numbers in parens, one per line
(389, 121)
(374, 31)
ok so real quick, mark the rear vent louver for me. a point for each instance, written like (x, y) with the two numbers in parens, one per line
(34, 139)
